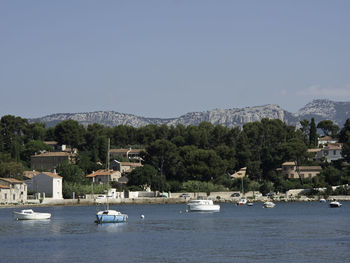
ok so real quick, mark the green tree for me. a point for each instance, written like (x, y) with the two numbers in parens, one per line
(12, 129)
(313, 134)
(163, 155)
(305, 129)
(71, 172)
(328, 128)
(344, 137)
(144, 176)
(70, 132)
(32, 147)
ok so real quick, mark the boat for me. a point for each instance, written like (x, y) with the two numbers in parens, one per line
(335, 204)
(322, 200)
(269, 204)
(108, 215)
(249, 204)
(203, 206)
(29, 214)
(242, 201)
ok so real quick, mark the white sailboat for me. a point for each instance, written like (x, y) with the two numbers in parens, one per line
(108, 215)
(243, 200)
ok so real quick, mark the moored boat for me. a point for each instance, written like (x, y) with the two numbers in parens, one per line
(269, 204)
(242, 201)
(29, 214)
(203, 206)
(110, 216)
(335, 204)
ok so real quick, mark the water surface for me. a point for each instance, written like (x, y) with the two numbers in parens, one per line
(290, 232)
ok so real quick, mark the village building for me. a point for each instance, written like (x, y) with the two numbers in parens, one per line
(124, 167)
(240, 174)
(60, 148)
(104, 176)
(329, 152)
(326, 140)
(49, 161)
(47, 184)
(291, 170)
(12, 191)
(132, 154)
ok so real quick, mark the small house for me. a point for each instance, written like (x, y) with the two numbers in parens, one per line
(12, 191)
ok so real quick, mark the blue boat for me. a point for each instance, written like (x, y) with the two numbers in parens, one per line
(110, 216)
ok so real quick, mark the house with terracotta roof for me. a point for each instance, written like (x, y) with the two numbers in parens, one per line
(49, 161)
(30, 174)
(291, 170)
(325, 140)
(124, 167)
(329, 152)
(12, 191)
(240, 174)
(47, 184)
(104, 176)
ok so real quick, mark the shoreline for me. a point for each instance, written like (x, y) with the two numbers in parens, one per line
(157, 200)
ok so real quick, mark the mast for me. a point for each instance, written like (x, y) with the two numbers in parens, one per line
(108, 149)
(242, 187)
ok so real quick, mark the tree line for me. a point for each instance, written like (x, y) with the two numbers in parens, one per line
(180, 158)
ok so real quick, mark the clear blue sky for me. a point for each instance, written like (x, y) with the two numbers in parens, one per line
(166, 58)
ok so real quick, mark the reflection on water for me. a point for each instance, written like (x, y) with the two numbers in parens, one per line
(112, 227)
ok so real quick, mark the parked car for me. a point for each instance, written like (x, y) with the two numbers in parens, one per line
(185, 196)
(235, 195)
(271, 194)
(162, 195)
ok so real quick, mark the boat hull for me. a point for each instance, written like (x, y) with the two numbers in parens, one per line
(335, 204)
(110, 216)
(34, 216)
(269, 205)
(204, 208)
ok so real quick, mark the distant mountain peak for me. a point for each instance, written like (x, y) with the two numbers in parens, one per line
(320, 109)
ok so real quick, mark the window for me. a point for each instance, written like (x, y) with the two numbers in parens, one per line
(334, 152)
(14, 196)
(310, 175)
(5, 196)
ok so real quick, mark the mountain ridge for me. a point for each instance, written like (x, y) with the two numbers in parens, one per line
(321, 109)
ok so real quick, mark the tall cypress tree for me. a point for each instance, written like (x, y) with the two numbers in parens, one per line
(313, 134)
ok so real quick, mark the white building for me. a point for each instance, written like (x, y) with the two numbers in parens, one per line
(329, 153)
(12, 191)
(326, 140)
(48, 183)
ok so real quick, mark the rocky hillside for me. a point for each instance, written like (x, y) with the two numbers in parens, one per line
(338, 112)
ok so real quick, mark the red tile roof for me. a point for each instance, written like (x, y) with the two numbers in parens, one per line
(12, 180)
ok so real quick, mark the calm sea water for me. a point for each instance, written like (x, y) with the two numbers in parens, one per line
(290, 232)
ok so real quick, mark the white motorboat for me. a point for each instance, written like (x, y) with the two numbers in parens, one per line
(269, 204)
(203, 206)
(322, 200)
(335, 204)
(29, 214)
